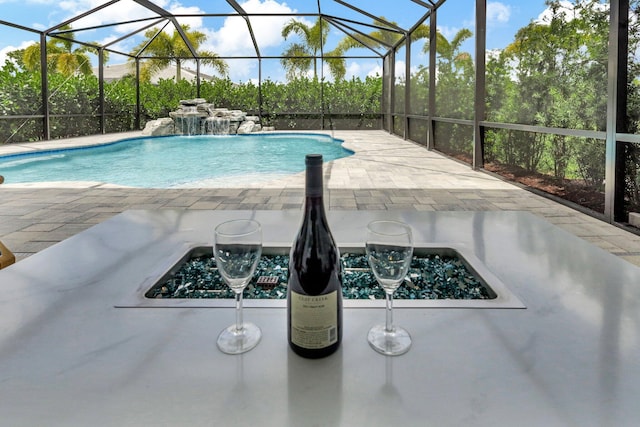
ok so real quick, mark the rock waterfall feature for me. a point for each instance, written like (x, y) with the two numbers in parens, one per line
(199, 117)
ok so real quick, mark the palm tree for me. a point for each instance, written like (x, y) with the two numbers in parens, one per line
(450, 51)
(61, 56)
(304, 55)
(171, 48)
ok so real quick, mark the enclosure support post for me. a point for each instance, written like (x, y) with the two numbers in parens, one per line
(101, 90)
(46, 131)
(479, 107)
(392, 90)
(431, 112)
(197, 77)
(616, 109)
(137, 122)
(407, 85)
(260, 90)
(385, 99)
(322, 105)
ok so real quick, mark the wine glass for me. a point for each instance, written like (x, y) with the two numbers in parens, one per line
(389, 247)
(237, 249)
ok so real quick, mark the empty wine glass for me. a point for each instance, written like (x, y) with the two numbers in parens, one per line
(389, 248)
(237, 249)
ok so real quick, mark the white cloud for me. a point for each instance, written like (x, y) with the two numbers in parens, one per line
(124, 10)
(192, 22)
(568, 9)
(5, 50)
(498, 12)
(353, 70)
(363, 69)
(448, 32)
(547, 14)
(493, 53)
(233, 38)
(375, 71)
(400, 70)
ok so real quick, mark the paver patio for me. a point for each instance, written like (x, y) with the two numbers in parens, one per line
(385, 173)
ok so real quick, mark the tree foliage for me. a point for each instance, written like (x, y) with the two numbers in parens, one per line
(302, 55)
(554, 74)
(284, 105)
(170, 48)
(62, 55)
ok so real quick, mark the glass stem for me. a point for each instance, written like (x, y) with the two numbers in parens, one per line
(388, 327)
(239, 322)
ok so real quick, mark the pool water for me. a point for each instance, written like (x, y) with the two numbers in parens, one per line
(176, 161)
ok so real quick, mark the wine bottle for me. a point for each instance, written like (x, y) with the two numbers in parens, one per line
(314, 292)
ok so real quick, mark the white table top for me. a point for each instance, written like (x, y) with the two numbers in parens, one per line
(69, 356)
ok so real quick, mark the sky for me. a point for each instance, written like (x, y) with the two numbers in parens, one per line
(228, 36)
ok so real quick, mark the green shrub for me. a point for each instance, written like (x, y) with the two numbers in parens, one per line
(74, 102)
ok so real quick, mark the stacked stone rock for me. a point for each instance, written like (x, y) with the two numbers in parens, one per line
(197, 116)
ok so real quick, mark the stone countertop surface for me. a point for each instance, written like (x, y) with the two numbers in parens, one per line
(70, 357)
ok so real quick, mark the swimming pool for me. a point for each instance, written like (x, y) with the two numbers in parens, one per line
(175, 161)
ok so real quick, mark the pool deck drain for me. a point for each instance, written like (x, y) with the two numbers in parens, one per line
(386, 173)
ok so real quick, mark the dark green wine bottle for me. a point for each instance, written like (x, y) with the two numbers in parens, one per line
(314, 292)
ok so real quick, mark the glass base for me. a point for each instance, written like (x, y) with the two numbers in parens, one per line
(233, 341)
(392, 343)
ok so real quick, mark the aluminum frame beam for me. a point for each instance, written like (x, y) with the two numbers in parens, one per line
(166, 14)
(616, 109)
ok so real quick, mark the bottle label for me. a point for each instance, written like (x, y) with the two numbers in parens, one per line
(314, 320)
